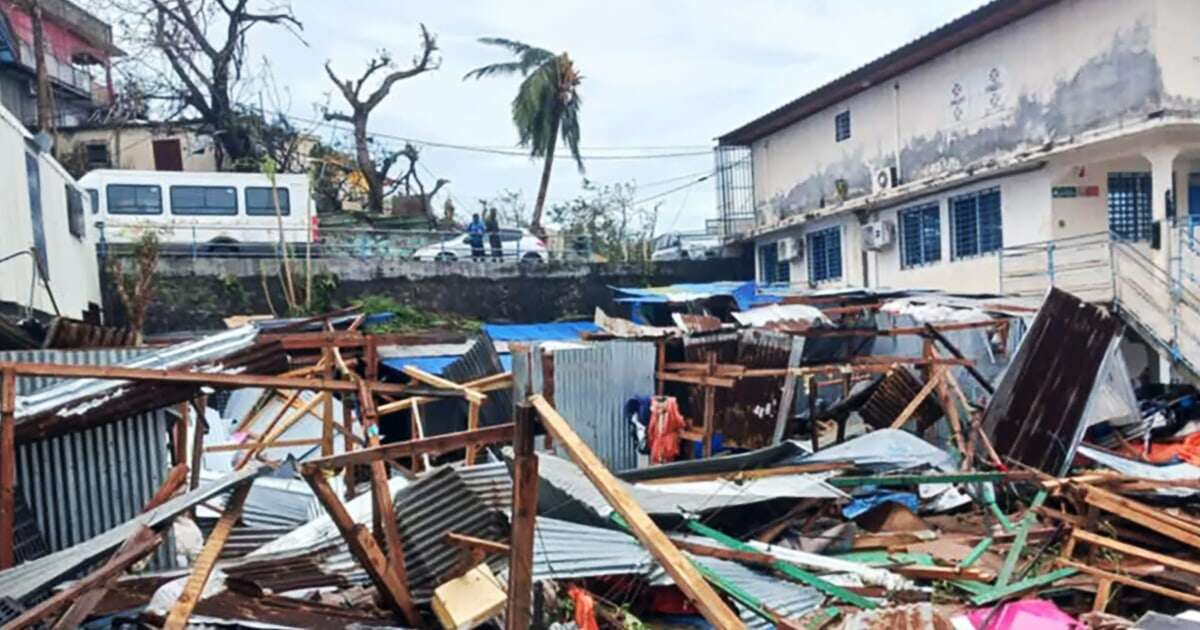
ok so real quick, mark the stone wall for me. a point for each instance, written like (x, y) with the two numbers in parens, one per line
(195, 294)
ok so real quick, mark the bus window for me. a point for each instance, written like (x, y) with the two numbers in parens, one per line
(131, 199)
(260, 201)
(94, 196)
(204, 200)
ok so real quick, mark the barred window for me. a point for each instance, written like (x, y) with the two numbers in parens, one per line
(920, 235)
(975, 224)
(824, 254)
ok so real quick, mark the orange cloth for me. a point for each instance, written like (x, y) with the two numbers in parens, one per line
(666, 423)
(585, 608)
(1187, 449)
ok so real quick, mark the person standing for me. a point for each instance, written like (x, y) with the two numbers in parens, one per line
(493, 232)
(475, 237)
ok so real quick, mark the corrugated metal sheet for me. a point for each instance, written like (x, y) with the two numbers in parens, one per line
(1037, 414)
(81, 484)
(26, 581)
(550, 331)
(491, 482)
(893, 395)
(591, 386)
(479, 361)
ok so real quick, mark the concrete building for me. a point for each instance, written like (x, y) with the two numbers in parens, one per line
(79, 50)
(137, 145)
(46, 215)
(985, 154)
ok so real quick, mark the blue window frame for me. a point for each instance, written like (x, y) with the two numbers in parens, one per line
(920, 235)
(260, 201)
(33, 175)
(771, 270)
(1130, 216)
(824, 254)
(841, 126)
(204, 200)
(976, 227)
(133, 199)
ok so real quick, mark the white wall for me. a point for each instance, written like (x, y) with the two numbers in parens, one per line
(1074, 66)
(74, 276)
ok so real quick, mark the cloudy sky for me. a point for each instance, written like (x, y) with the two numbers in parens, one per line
(665, 73)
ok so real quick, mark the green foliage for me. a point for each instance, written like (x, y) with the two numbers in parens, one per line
(324, 285)
(406, 318)
(607, 218)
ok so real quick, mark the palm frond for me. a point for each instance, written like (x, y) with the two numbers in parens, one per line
(569, 124)
(528, 58)
(510, 67)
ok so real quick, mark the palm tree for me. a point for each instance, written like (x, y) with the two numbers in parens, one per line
(546, 105)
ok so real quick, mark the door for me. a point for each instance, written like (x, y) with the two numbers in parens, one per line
(168, 155)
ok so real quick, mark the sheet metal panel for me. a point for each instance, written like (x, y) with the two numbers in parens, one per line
(85, 483)
(747, 413)
(1037, 414)
(591, 386)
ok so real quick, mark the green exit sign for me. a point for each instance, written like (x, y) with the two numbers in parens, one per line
(1059, 192)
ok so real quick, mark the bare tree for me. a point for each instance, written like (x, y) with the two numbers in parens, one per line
(375, 172)
(203, 44)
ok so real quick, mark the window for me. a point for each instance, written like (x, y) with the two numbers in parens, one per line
(74, 211)
(33, 175)
(824, 254)
(975, 224)
(204, 200)
(771, 270)
(841, 126)
(97, 154)
(131, 199)
(260, 201)
(1129, 199)
(94, 197)
(920, 235)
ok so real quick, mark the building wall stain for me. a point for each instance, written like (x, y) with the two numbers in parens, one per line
(1123, 83)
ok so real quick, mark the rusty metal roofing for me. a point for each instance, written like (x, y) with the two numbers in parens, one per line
(893, 395)
(1036, 416)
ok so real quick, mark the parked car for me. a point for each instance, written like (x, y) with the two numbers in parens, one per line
(684, 246)
(514, 245)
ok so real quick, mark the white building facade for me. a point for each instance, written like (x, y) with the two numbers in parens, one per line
(46, 215)
(1017, 124)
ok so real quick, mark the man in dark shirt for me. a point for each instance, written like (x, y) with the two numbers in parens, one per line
(493, 231)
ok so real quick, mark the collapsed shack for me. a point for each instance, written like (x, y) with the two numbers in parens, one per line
(853, 460)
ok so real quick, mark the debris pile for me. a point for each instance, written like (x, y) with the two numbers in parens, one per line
(851, 460)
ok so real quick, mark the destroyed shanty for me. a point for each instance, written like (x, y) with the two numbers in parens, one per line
(848, 460)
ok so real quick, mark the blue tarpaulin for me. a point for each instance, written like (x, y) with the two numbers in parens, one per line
(435, 364)
(744, 293)
(554, 331)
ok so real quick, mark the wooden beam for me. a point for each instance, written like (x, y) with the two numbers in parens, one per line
(327, 417)
(262, 446)
(418, 374)
(8, 468)
(1156, 523)
(276, 429)
(207, 560)
(936, 334)
(435, 444)
(142, 542)
(471, 542)
(198, 428)
(1137, 552)
(365, 550)
(754, 473)
(1187, 598)
(913, 404)
(751, 558)
(175, 479)
(524, 521)
(472, 425)
(216, 380)
(485, 384)
(714, 381)
(686, 577)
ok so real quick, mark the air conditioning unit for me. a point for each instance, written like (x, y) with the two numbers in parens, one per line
(791, 248)
(885, 178)
(878, 235)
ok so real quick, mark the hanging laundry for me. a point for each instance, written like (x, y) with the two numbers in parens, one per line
(585, 608)
(666, 424)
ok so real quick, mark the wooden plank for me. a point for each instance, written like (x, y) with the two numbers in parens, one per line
(207, 560)
(752, 558)
(348, 444)
(936, 334)
(524, 521)
(430, 379)
(913, 404)
(686, 577)
(1137, 552)
(327, 417)
(472, 425)
(175, 479)
(434, 444)
(8, 468)
(1144, 510)
(921, 572)
(1154, 522)
(260, 446)
(198, 429)
(365, 550)
(485, 384)
(754, 473)
(142, 542)
(710, 408)
(179, 435)
(1187, 598)
(714, 381)
(215, 380)
(1103, 591)
(273, 432)
(471, 542)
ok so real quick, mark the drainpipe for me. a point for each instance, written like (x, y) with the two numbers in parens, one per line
(896, 115)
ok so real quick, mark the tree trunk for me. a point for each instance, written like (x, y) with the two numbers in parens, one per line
(366, 165)
(45, 114)
(535, 225)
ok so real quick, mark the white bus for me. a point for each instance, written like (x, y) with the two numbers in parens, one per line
(208, 212)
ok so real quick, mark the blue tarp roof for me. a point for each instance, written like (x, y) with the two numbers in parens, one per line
(435, 364)
(556, 331)
(744, 293)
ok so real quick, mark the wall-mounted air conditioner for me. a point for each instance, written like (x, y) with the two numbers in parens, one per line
(878, 235)
(791, 248)
(885, 178)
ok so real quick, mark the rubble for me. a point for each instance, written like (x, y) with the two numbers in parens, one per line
(909, 461)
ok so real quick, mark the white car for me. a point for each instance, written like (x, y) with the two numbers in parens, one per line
(520, 245)
(682, 246)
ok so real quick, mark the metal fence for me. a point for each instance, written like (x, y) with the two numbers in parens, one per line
(85, 483)
(362, 243)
